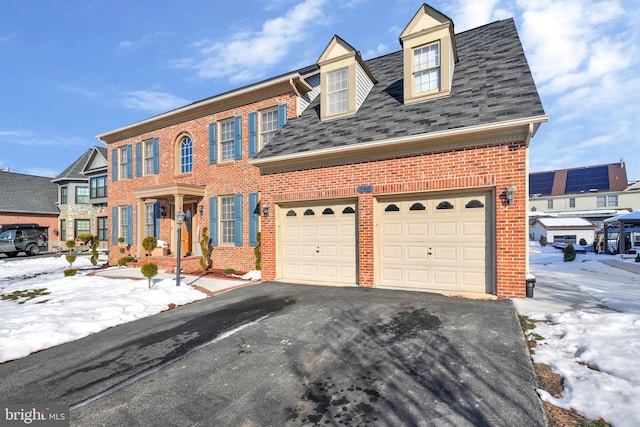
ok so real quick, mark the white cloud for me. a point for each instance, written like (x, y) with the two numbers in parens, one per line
(140, 42)
(379, 50)
(468, 14)
(76, 89)
(32, 139)
(152, 101)
(247, 55)
(7, 37)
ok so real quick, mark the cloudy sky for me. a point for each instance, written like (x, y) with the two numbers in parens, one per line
(74, 69)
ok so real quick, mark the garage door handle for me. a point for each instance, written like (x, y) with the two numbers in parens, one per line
(317, 249)
(430, 251)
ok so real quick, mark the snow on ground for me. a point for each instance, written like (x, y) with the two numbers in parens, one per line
(74, 306)
(592, 333)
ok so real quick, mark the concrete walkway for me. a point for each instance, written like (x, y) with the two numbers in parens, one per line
(633, 267)
(209, 285)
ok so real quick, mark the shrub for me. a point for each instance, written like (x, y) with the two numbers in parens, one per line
(125, 259)
(149, 270)
(85, 237)
(70, 259)
(70, 244)
(149, 243)
(204, 246)
(70, 272)
(257, 252)
(229, 271)
(121, 240)
(543, 240)
(583, 242)
(94, 251)
(638, 257)
(569, 253)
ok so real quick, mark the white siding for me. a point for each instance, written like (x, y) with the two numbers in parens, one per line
(363, 85)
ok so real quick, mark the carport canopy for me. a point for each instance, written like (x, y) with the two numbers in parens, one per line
(631, 218)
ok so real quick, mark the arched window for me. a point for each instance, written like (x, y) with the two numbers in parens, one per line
(444, 205)
(348, 210)
(474, 204)
(327, 211)
(186, 155)
(392, 208)
(292, 213)
(417, 207)
(309, 212)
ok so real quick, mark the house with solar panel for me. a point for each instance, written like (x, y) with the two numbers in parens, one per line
(591, 192)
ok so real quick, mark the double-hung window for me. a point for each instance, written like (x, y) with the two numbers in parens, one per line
(98, 187)
(64, 195)
(148, 157)
(612, 200)
(601, 201)
(82, 195)
(124, 223)
(123, 156)
(227, 137)
(426, 68)
(227, 219)
(268, 125)
(103, 228)
(149, 219)
(82, 226)
(338, 91)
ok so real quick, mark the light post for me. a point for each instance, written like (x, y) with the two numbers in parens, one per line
(179, 221)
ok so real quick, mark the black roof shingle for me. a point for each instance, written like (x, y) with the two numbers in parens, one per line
(28, 194)
(492, 83)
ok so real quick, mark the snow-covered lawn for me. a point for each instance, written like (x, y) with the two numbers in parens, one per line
(592, 335)
(68, 308)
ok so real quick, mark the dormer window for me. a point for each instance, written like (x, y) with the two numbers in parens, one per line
(426, 68)
(430, 55)
(345, 80)
(338, 91)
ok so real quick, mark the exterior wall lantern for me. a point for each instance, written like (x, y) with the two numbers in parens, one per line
(265, 210)
(510, 193)
(179, 221)
(201, 209)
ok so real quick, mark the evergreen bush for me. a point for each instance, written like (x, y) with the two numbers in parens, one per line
(583, 242)
(204, 247)
(543, 241)
(149, 270)
(569, 253)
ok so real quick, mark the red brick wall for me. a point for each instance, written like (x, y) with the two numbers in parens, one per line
(484, 166)
(226, 178)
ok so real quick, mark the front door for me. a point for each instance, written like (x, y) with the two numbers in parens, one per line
(187, 228)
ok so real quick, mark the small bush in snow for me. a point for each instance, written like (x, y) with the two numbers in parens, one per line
(583, 242)
(569, 253)
(125, 259)
(149, 270)
(543, 241)
(70, 272)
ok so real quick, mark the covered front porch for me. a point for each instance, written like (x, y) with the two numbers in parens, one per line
(156, 209)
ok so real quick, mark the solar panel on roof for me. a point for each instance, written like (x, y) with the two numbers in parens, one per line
(541, 183)
(587, 179)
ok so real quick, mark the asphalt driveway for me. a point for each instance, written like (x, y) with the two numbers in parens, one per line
(275, 354)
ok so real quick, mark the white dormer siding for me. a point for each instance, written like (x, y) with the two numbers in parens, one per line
(363, 85)
(307, 98)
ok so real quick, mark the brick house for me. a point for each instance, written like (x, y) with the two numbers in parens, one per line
(408, 171)
(194, 159)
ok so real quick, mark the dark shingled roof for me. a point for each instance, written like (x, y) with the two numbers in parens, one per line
(74, 171)
(28, 194)
(492, 83)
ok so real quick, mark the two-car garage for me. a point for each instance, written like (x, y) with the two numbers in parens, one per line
(422, 242)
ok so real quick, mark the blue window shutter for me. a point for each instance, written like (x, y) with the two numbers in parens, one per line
(138, 158)
(212, 143)
(253, 140)
(253, 219)
(130, 226)
(114, 226)
(156, 220)
(129, 164)
(114, 164)
(237, 141)
(237, 205)
(156, 157)
(282, 115)
(213, 221)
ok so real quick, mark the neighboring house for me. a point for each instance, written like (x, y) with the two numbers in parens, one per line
(584, 191)
(563, 230)
(194, 159)
(28, 199)
(82, 197)
(408, 171)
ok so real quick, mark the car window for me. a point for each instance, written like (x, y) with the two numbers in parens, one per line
(8, 235)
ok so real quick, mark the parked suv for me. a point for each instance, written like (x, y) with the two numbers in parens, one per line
(27, 238)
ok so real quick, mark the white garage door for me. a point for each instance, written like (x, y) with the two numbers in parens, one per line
(434, 243)
(317, 243)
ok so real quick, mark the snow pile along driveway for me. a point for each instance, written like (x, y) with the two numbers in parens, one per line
(68, 308)
(594, 341)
